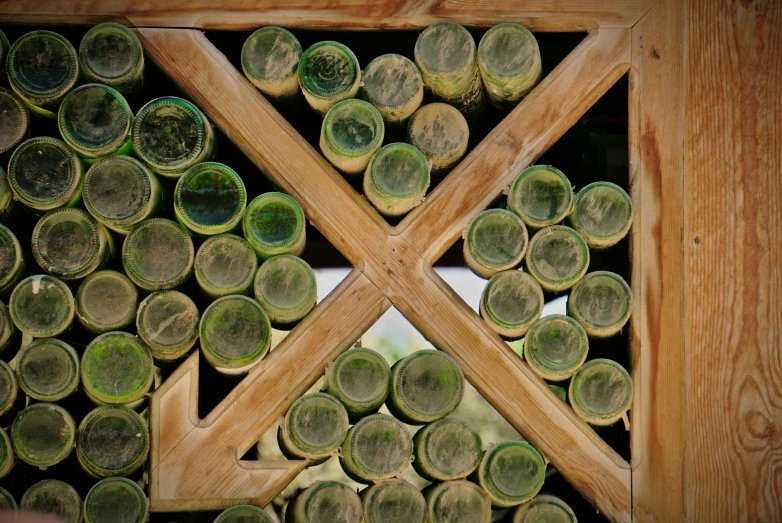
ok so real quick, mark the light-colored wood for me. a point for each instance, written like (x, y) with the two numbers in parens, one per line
(536, 123)
(195, 463)
(657, 92)
(733, 267)
(538, 15)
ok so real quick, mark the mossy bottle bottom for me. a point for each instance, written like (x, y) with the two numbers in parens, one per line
(541, 196)
(225, 264)
(457, 501)
(243, 514)
(555, 347)
(544, 507)
(112, 441)
(116, 500)
(377, 447)
(235, 334)
(43, 434)
(117, 368)
(111, 54)
(352, 132)
(396, 179)
(393, 84)
(446, 450)
(361, 379)
(325, 502)
(511, 473)
(270, 60)
(495, 240)
(509, 60)
(601, 392)
(167, 321)
(210, 199)
(602, 213)
(558, 257)
(441, 133)
(53, 497)
(394, 501)
(314, 427)
(48, 369)
(286, 288)
(274, 224)
(601, 302)
(106, 301)
(328, 73)
(158, 254)
(42, 306)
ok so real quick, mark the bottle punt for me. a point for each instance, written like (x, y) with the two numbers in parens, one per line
(48, 370)
(602, 213)
(495, 241)
(511, 302)
(602, 303)
(511, 473)
(601, 393)
(210, 199)
(167, 321)
(446, 450)
(53, 497)
(393, 84)
(274, 224)
(42, 306)
(112, 441)
(111, 54)
(116, 500)
(509, 61)
(441, 133)
(225, 264)
(270, 60)
(555, 347)
(328, 73)
(541, 196)
(376, 448)
(396, 179)
(361, 379)
(351, 133)
(558, 257)
(43, 435)
(158, 254)
(106, 301)
(544, 507)
(286, 288)
(393, 501)
(459, 501)
(116, 369)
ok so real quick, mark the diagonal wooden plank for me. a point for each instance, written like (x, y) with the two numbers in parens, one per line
(538, 15)
(536, 123)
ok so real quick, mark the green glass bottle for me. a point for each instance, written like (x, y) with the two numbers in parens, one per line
(361, 379)
(7, 201)
(116, 369)
(9, 389)
(328, 73)
(270, 60)
(210, 199)
(459, 501)
(441, 133)
(111, 54)
(120, 192)
(243, 514)
(376, 448)
(351, 133)
(43, 435)
(545, 507)
(14, 121)
(393, 501)
(393, 84)
(70, 244)
(556, 346)
(54, 497)
(396, 179)
(511, 473)
(225, 264)
(112, 441)
(510, 64)
(9, 343)
(601, 302)
(116, 500)
(106, 301)
(445, 54)
(158, 254)
(511, 302)
(171, 135)
(12, 265)
(558, 257)
(48, 370)
(601, 393)
(495, 241)
(286, 288)
(5, 46)
(7, 461)
(541, 196)
(325, 502)
(42, 306)
(274, 224)
(45, 174)
(313, 428)
(42, 67)
(167, 321)
(7, 501)
(446, 450)
(602, 213)
(235, 334)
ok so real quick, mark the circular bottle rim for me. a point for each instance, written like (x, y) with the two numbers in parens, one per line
(146, 197)
(55, 329)
(137, 56)
(163, 351)
(583, 410)
(145, 281)
(132, 419)
(535, 221)
(490, 315)
(24, 117)
(561, 284)
(67, 445)
(73, 370)
(46, 204)
(245, 58)
(98, 243)
(367, 109)
(90, 322)
(219, 360)
(111, 144)
(190, 221)
(38, 97)
(118, 398)
(342, 50)
(143, 502)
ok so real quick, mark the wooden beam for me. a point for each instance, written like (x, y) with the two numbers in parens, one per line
(195, 463)
(536, 123)
(538, 15)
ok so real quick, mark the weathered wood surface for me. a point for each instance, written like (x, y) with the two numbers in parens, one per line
(538, 15)
(733, 267)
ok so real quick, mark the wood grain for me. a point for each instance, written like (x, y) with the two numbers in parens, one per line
(536, 123)
(657, 96)
(538, 15)
(733, 248)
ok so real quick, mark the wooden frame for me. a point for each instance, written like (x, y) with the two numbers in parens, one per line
(393, 264)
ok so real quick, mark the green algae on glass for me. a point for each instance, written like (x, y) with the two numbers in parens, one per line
(396, 179)
(116, 368)
(601, 392)
(393, 84)
(544, 507)
(602, 213)
(9, 389)
(43, 434)
(112, 441)
(42, 67)
(328, 73)
(158, 254)
(558, 257)
(48, 370)
(171, 135)
(541, 196)
(116, 500)
(210, 199)
(235, 334)
(7, 501)
(459, 501)
(274, 224)
(9, 342)
(225, 264)
(325, 502)
(14, 121)
(11, 260)
(53, 497)
(42, 306)
(495, 241)
(425, 386)
(445, 54)
(313, 428)
(45, 174)
(111, 54)
(556, 346)
(361, 379)
(351, 133)
(120, 192)
(510, 64)
(106, 301)
(511, 473)
(70, 244)
(243, 514)
(511, 302)
(446, 450)
(167, 321)
(270, 60)
(286, 288)
(393, 501)
(377, 447)
(601, 302)
(441, 133)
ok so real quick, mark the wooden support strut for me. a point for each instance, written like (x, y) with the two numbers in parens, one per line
(194, 463)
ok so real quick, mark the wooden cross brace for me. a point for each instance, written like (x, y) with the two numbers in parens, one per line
(195, 463)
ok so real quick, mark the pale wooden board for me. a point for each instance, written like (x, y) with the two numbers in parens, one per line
(539, 15)
(657, 98)
(733, 262)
